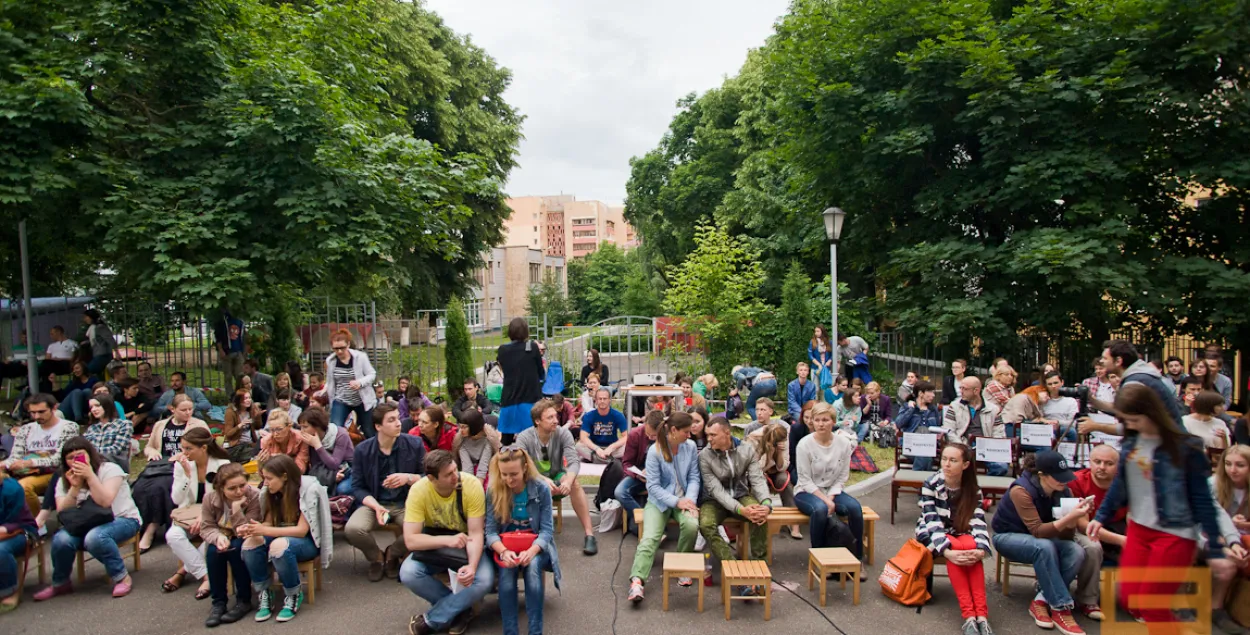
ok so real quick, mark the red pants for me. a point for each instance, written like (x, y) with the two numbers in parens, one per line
(1145, 547)
(969, 582)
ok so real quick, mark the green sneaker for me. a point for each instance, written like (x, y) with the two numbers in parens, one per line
(290, 606)
(263, 600)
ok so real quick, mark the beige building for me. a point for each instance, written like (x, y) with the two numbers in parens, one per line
(564, 226)
(504, 282)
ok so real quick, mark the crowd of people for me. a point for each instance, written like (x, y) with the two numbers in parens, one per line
(471, 489)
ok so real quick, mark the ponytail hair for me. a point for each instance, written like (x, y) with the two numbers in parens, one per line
(675, 421)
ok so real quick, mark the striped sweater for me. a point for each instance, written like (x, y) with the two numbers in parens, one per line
(935, 517)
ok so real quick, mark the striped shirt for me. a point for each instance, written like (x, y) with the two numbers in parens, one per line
(935, 517)
(344, 374)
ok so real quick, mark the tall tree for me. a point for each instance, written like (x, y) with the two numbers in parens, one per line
(458, 350)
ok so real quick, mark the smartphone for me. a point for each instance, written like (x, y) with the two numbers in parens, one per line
(81, 458)
(1089, 500)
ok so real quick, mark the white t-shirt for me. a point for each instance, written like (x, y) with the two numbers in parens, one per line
(1062, 409)
(1105, 392)
(123, 504)
(45, 442)
(63, 349)
(1209, 431)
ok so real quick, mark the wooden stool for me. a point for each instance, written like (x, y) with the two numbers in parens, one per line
(33, 548)
(870, 532)
(557, 506)
(82, 559)
(1002, 572)
(778, 518)
(309, 570)
(683, 565)
(746, 572)
(822, 562)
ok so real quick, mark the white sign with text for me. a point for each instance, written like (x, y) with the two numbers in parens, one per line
(994, 450)
(919, 444)
(1036, 434)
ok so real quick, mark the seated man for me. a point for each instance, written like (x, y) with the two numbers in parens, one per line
(315, 393)
(1059, 410)
(59, 356)
(132, 402)
(37, 445)
(734, 486)
(603, 431)
(262, 384)
(919, 416)
(383, 469)
(444, 528)
(764, 410)
(634, 461)
(178, 386)
(972, 417)
(474, 398)
(21, 355)
(553, 452)
(151, 386)
(1104, 463)
(799, 392)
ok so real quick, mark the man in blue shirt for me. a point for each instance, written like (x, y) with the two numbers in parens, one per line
(799, 392)
(231, 349)
(603, 431)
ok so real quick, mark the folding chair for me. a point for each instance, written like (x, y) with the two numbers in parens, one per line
(907, 480)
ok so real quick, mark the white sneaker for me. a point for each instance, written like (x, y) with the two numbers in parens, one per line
(699, 543)
(720, 529)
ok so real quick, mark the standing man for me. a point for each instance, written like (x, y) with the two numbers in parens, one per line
(552, 449)
(603, 431)
(262, 384)
(800, 391)
(231, 349)
(445, 520)
(850, 347)
(1120, 357)
(735, 486)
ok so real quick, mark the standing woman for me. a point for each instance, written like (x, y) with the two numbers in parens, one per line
(824, 465)
(89, 477)
(1162, 480)
(952, 525)
(522, 364)
(673, 484)
(195, 471)
(772, 449)
(349, 384)
(243, 419)
(820, 353)
(295, 528)
(518, 511)
(17, 528)
(153, 487)
(594, 365)
(100, 338)
(231, 503)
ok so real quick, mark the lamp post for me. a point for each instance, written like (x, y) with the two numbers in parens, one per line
(834, 218)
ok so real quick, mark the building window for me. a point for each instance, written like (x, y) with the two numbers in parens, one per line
(587, 233)
(583, 221)
(536, 273)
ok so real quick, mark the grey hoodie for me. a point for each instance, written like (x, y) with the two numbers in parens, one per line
(1145, 373)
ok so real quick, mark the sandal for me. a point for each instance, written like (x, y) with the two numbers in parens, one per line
(203, 592)
(169, 586)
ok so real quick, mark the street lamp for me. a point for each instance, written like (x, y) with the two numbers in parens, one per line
(834, 217)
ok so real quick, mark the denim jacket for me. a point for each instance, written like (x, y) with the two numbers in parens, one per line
(662, 475)
(1182, 496)
(539, 508)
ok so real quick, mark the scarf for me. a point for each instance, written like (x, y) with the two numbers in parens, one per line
(332, 434)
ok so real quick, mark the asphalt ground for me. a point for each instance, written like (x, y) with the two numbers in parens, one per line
(349, 604)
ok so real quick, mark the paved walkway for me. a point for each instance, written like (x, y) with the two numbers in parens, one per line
(348, 603)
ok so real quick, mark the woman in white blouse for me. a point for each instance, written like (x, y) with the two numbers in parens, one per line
(195, 469)
(823, 460)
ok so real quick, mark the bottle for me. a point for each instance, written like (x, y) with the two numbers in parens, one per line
(707, 570)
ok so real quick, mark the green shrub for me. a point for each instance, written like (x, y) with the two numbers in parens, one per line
(459, 349)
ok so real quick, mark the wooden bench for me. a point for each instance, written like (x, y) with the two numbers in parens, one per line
(683, 565)
(310, 575)
(744, 534)
(786, 516)
(746, 573)
(822, 562)
(82, 558)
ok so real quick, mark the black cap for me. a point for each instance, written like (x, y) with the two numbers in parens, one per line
(1054, 465)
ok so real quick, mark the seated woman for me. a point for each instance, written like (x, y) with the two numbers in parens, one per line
(772, 450)
(673, 482)
(520, 501)
(135, 407)
(413, 401)
(109, 433)
(73, 398)
(434, 431)
(153, 487)
(233, 502)
(824, 465)
(295, 528)
(329, 450)
(243, 419)
(698, 427)
(17, 528)
(195, 472)
(101, 388)
(876, 410)
(952, 525)
(90, 477)
(1229, 487)
(846, 411)
(282, 401)
(474, 448)
(281, 381)
(283, 440)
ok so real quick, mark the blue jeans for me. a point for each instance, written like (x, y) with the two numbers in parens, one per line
(535, 592)
(286, 564)
(445, 605)
(343, 487)
(863, 430)
(761, 388)
(98, 363)
(818, 513)
(364, 418)
(74, 405)
(10, 550)
(1056, 563)
(100, 542)
(922, 463)
(218, 562)
(626, 494)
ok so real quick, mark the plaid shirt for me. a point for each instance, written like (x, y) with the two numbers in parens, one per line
(110, 439)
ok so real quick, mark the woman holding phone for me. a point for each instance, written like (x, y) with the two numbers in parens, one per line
(231, 503)
(195, 470)
(88, 477)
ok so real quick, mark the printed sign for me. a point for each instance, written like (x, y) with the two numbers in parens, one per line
(1070, 451)
(1036, 434)
(1106, 439)
(919, 444)
(994, 450)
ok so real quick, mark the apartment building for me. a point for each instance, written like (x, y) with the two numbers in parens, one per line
(564, 226)
(504, 282)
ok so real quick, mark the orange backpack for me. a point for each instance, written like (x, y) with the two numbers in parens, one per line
(904, 578)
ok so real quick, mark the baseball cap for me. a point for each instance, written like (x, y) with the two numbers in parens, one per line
(1054, 465)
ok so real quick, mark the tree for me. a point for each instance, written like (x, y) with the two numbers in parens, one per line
(795, 318)
(458, 349)
(547, 300)
(639, 297)
(715, 290)
(597, 282)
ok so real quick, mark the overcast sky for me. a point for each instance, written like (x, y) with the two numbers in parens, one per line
(598, 81)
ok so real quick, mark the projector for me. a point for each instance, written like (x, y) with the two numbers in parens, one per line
(649, 379)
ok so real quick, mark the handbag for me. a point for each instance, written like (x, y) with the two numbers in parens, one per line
(157, 468)
(84, 517)
(516, 542)
(445, 557)
(186, 516)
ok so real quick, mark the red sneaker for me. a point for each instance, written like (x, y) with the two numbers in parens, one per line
(1040, 612)
(1066, 623)
(1091, 611)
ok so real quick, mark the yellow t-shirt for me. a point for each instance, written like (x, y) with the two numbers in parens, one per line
(427, 507)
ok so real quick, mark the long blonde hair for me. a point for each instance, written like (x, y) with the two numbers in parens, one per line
(1224, 485)
(766, 441)
(500, 495)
